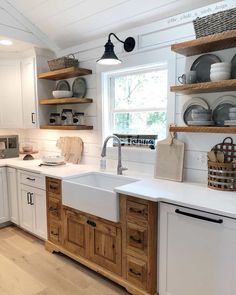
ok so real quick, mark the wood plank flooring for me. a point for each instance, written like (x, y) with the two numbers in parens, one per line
(26, 268)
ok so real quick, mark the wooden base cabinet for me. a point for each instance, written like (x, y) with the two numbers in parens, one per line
(124, 252)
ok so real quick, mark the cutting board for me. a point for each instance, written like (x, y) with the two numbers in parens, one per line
(169, 159)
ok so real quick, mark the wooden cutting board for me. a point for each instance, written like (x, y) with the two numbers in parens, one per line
(169, 160)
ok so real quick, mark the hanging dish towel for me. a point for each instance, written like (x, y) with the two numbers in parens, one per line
(169, 159)
(71, 148)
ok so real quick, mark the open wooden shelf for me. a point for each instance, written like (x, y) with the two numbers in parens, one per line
(203, 129)
(206, 44)
(66, 100)
(68, 127)
(64, 73)
(207, 87)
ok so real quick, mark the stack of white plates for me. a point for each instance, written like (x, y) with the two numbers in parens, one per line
(232, 117)
(201, 118)
(220, 71)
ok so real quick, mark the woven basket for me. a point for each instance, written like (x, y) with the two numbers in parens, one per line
(222, 176)
(63, 62)
(215, 23)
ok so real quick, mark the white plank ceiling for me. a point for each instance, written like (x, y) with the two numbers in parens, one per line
(71, 22)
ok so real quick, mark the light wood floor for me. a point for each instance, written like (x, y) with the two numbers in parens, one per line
(26, 268)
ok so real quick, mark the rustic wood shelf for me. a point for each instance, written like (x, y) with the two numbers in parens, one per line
(203, 129)
(64, 73)
(66, 100)
(207, 87)
(68, 127)
(206, 44)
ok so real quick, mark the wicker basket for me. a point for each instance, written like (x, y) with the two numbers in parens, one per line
(215, 23)
(222, 176)
(63, 62)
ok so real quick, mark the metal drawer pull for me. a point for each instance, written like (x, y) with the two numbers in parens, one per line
(32, 118)
(134, 272)
(53, 187)
(136, 211)
(31, 179)
(199, 216)
(52, 233)
(31, 199)
(92, 223)
(51, 209)
(28, 198)
(139, 241)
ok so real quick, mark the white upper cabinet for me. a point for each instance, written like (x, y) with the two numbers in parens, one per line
(10, 98)
(28, 84)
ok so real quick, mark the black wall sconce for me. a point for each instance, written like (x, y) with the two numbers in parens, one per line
(109, 57)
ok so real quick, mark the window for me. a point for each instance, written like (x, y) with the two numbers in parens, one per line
(138, 101)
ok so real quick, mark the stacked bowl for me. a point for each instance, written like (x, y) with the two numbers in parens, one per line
(220, 71)
(232, 117)
(201, 118)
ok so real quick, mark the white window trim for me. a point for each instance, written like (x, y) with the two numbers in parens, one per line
(108, 97)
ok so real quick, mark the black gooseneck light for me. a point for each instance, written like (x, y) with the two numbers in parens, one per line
(109, 57)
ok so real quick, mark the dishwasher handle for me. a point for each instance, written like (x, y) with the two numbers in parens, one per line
(220, 221)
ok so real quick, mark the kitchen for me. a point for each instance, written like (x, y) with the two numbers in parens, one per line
(139, 233)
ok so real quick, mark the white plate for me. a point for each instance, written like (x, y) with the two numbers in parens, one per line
(230, 123)
(201, 123)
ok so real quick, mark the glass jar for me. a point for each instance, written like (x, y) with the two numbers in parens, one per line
(66, 117)
(55, 119)
(78, 118)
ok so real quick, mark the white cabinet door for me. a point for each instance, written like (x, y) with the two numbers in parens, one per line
(13, 195)
(197, 253)
(40, 213)
(26, 209)
(4, 206)
(33, 212)
(29, 93)
(10, 98)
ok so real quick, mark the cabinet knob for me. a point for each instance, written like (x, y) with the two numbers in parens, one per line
(134, 272)
(138, 241)
(92, 223)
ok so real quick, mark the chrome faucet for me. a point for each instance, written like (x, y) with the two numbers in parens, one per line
(120, 169)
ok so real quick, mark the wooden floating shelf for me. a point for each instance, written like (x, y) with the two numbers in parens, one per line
(203, 129)
(207, 87)
(206, 44)
(68, 127)
(64, 73)
(71, 100)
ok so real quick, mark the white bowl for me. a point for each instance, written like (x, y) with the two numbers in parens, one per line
(232, 110)
(232, 116)
(201, 117)
(220, 76)
(53, 159)
(62, 93)
(27, 148)
(221, 64)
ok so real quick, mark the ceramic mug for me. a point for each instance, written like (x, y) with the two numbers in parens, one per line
(189, 78)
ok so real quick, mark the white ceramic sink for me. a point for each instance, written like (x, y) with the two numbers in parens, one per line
(94, 193)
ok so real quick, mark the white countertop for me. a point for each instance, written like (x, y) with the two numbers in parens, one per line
(193, 195)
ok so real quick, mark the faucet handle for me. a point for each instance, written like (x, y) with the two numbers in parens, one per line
(121, 169)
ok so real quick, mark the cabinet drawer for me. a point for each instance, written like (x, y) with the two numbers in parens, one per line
(53, 186)
(32, 179)
(137, 210)
(137, 238)
(137, 272)
(54, 208)
(54, 232)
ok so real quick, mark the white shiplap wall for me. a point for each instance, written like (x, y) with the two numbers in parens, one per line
(153, 44)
